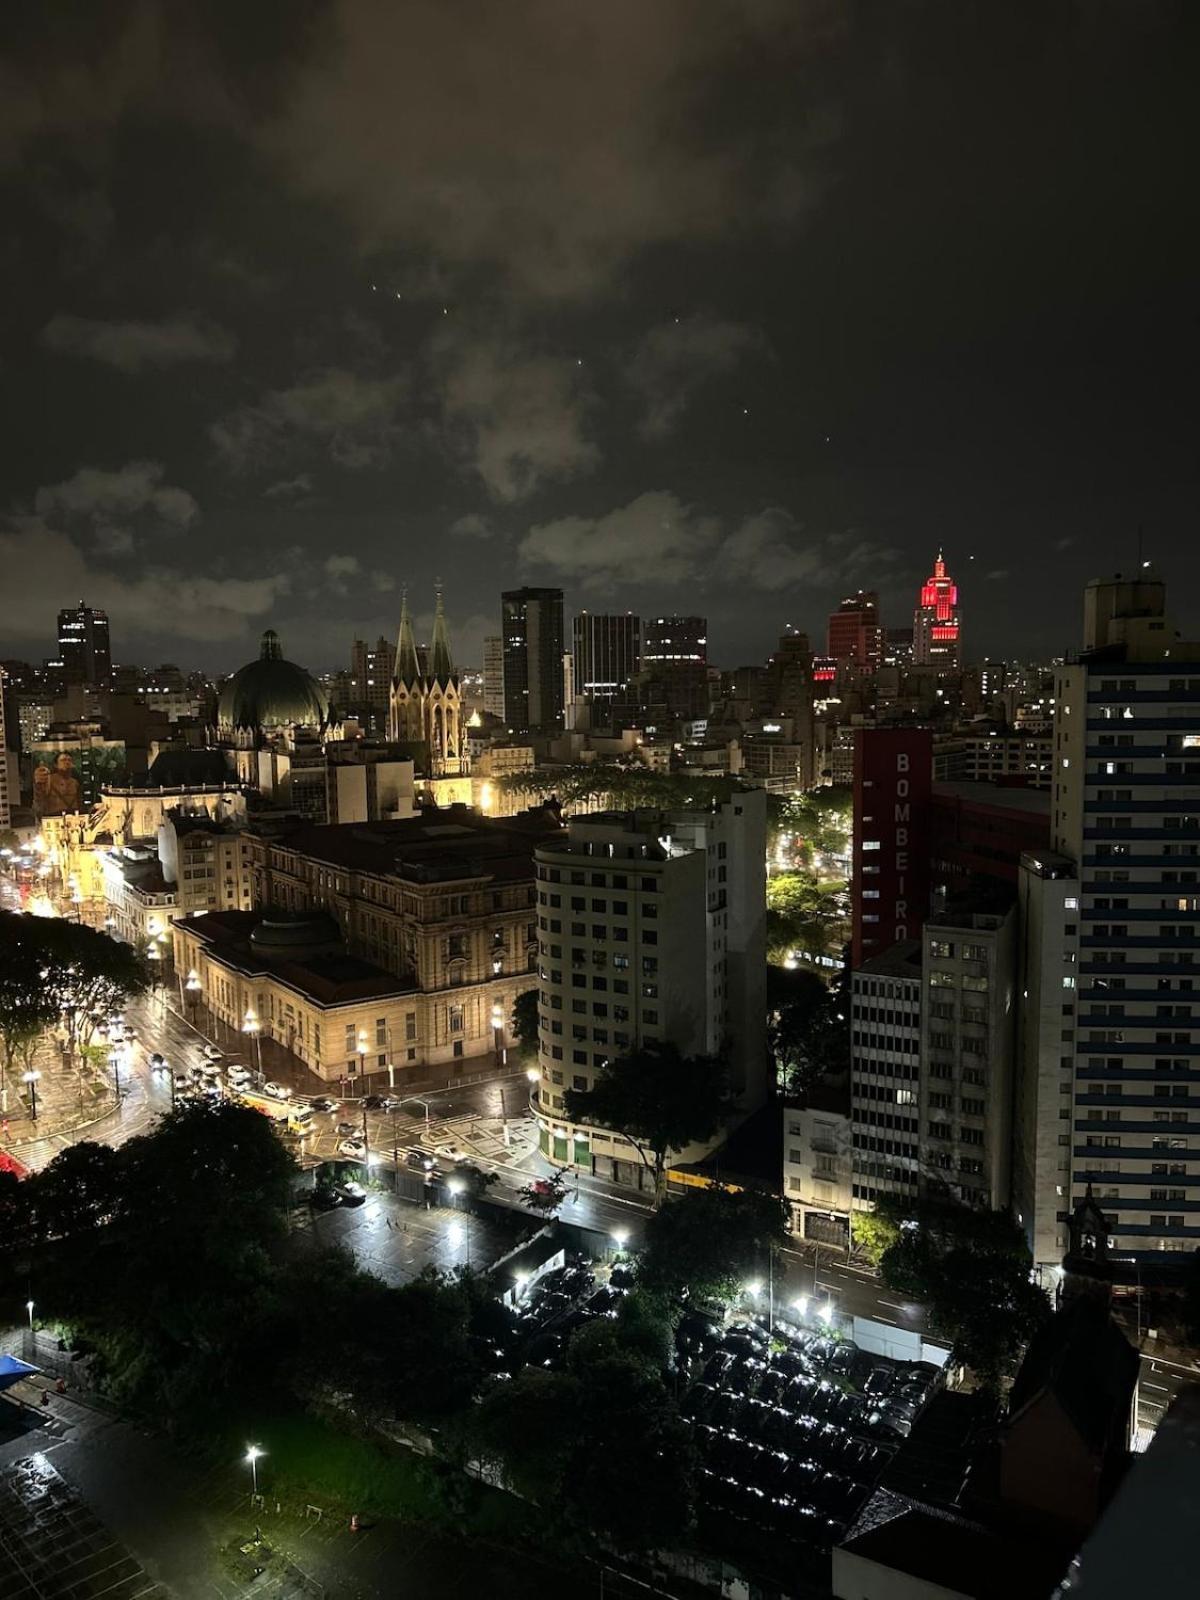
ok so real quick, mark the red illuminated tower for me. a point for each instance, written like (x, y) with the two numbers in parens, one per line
(937, 627)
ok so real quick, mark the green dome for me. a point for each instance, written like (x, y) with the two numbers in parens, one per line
(271, 693)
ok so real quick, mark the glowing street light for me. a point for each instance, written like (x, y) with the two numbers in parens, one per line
(800, 1304)
(251, 1027)
(826, 1312)
(521, 1279)
(620, 1237)
(29, 1308)
(754, 1289)
(30, 1079)
(252, 1454)
(532, 1074)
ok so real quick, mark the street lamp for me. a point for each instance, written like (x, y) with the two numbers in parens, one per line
(252, 1454)
(800, 1304)
(826, 1312)
(498, 1030)
(29, 1308)
(250, 1025)
(362, 1051)
(620, 1238)
(31, 1079)
(114, 1062)
(192, 986)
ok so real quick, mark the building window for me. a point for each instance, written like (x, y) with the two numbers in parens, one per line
(455, 1018)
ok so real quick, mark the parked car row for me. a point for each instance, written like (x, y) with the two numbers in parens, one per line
(793, 1435)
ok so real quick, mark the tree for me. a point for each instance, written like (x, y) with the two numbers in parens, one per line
(27, 1007)
(873, 1234)
(78, 1191)
(89, 975)
(970, 1267)
(802, 914)
(659, 1099)
(810, 1040)
(525, 1021)
(708, 1242)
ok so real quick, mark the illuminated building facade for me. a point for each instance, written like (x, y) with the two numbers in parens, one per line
(855, 638)
(889, 889)
(937, 627)
(426, 700)
(84, 650)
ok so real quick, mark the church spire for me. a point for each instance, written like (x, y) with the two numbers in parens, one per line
(441, 662)
(407, 667)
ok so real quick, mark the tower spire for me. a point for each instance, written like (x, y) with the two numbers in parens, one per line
(407, 667)
(441, 662)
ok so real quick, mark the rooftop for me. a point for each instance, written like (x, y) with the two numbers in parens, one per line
(996, 796)
(901, 960)
(329, 979)
(438, 846)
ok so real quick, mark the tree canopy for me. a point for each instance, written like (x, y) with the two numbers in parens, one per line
(709, 1242)
(658, 1098)
(971, 1269)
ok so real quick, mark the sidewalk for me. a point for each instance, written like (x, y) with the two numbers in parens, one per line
(69, 1099)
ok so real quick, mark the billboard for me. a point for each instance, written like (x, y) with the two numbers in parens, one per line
(68, 775)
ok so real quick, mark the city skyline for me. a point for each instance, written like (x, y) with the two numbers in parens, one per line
(777, 341)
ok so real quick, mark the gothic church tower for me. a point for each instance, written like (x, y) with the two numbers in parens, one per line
(426, 706)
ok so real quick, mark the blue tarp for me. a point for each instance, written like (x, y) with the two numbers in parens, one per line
(12, 1371)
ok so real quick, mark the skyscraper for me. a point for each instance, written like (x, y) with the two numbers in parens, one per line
(1108, 1097)
(83, 646)
(606, 654)
(674, 639)
(493, 675)
(936, 622)
(371, 668)
(855, 638)
(532, 630)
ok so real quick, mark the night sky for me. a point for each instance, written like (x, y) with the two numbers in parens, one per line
(683, 304)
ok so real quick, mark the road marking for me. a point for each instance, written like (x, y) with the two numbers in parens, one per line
(1146, 1384)
(894, 1305)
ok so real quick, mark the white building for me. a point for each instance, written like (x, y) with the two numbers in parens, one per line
(1125, 813)
(885, 1072)
(818, 1163)
(650, 928)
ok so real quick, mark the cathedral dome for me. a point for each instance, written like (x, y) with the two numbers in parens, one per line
(271, 693)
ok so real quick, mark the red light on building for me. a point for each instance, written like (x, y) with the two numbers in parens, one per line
(824, 670)
(936, 623)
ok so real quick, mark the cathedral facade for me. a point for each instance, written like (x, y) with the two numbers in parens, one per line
(425, 705)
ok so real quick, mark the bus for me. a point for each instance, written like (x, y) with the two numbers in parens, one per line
(299, 1119)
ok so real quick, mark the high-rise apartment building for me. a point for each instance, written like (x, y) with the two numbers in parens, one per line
(493, 675)
(371, 668)
(84, 650)
(607, 651)
(650, 928)
(855, 637)
(1125, 819)
(532, 631)
(968, 1034)
(885, 1073)
(937, 640)
(788, 688)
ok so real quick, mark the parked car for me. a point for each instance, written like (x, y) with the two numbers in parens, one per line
(276, 1091)
(419, 1159)
(351, 1193)
(211, 1051)
(355, 1148)
(372, 1102)
(181, 1081)
(325, 1198)
(392, 1102)
(348, 1130)
(237, 1077)
(322, 1102)
(449, 1152)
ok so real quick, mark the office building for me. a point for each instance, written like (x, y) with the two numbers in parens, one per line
(994, 755)
(493, 676)
(937, 626)
(606, 654)
(674, 639)
(651, 928)
(788, 690)
(889, 886)
(855, 638)
(1125, 818)
(84, 649)
(532, 631)
(371, 668)
(885, 1073)
(968, 1041)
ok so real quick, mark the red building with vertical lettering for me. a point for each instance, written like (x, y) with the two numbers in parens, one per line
(889, 884)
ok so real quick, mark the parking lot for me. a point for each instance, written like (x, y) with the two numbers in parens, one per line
(52, 1547)
(793, 1425)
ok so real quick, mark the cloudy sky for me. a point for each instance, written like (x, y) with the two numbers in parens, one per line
(725, 306)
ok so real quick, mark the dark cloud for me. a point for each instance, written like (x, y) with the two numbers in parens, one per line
(675, 358)
(352, 419)
(132, 346)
